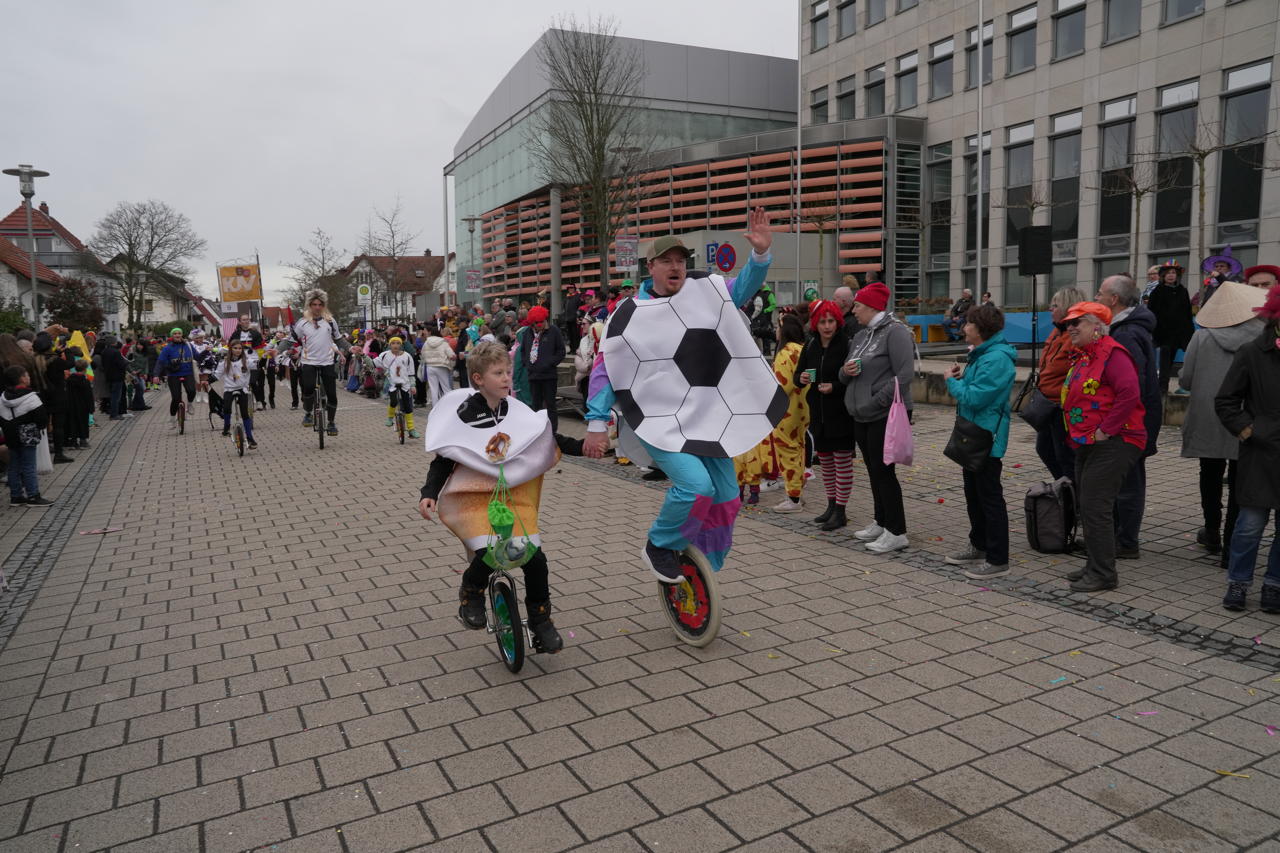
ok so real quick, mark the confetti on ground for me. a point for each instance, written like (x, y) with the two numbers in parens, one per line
(1059, 679)
(836, 651)
(1077, 652)
(571, 634)
(1146, 713)
(1257, 641)
(942, 500)
(1018, 465)
(100, 531)
(771, 655)
(1229, 773)
(1272, 731)
(1252, 692)
(744, 633)
(623, 631)
(984, 588)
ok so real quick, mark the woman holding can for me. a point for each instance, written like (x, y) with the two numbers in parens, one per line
(830, 423)
(879, 354)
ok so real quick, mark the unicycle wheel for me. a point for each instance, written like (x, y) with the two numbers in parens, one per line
(400, 427)
(239, 434)
(692, 606)
(508, 632)
(182, 418)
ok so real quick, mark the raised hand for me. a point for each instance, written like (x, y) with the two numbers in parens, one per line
(758, 233)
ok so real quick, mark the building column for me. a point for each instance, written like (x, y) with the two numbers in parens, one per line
(557, 298)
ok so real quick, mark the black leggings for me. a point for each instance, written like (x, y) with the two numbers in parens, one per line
(329, 376)
(1212, 472)
(886, 492)
(401, 396)
(536, 589)
(176, 384)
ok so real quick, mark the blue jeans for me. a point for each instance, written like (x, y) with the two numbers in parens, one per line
(708, 523)
(1245, 539)
(117, 397)
(22, 472)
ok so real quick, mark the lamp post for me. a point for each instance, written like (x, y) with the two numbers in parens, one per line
(27, 186)
(471, 253)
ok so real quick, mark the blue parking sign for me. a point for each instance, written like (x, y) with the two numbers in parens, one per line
(712, 248)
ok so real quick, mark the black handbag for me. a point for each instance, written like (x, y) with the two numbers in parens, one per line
(1040, 411)
(969, 446)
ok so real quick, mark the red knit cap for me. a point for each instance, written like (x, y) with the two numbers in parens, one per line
(537, 314)
(823, 308)
(874, 295)
(1271, 310)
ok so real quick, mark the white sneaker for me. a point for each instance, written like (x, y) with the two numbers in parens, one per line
(770, 486)
(808, 474)
(788, 505)
(888, 542)
(870, 533)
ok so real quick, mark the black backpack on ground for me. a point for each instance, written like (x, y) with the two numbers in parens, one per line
(1051, 516)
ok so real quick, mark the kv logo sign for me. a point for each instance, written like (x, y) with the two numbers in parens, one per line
(239, 283)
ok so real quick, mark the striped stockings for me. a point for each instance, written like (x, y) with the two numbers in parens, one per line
(837, 474)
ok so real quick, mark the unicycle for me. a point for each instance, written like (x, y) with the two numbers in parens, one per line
(502, 619)
(182, 416)
(400, 419)
(320, 410)
(693, 605)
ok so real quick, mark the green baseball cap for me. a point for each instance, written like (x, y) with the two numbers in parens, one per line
(662, 245)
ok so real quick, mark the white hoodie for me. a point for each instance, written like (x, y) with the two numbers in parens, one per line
(234, 377)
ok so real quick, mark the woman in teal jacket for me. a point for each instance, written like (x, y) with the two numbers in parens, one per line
(982, 396)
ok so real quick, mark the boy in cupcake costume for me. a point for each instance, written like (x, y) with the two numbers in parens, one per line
(487, 442)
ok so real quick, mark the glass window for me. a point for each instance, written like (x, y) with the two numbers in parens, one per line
(1179, 93)
(1064, 192)
(1119, 108)
(1068, 33)
(875, 11)
(1021, 132)
(1022, 40)
(1175, 10)
(1123, 19)
(941, 72)
(904, 5)
(1065, 153)
(1244, 117)
(819, 31)
(1018, 165)
(1115, 203)
(1177, 130)
(1251, 75)
(875, 91)
(940, 151)
(971, 56)
(1017, 289)
(908, 61)
(1173, 202)
(874, 74)
(906, 90)
(1067, 121)
(1117, 144)
(846, 89)
(1244, 124)
(942, 48)
(818, 105)
(1063, 275)
(971, 206)
(846, 19)
(1019, 194)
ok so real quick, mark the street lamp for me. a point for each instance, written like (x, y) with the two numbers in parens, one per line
(471, 253)
(27, 186)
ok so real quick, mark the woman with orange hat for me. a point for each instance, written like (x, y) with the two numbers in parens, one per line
(1103, 413)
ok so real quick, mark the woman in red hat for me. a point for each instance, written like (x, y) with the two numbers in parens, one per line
(883, 351)
(1103, 413)
(830, 423)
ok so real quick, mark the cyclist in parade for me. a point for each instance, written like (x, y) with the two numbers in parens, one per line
(316, 338)
(234, 372)
(396, 367)
(177, 361)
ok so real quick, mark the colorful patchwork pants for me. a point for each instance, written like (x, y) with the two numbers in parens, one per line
(700, 506)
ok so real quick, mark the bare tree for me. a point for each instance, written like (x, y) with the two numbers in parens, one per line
(588, 139)
(1143, 176)
(316, 260)
(143, 240)
(819, 213)
(388, 236)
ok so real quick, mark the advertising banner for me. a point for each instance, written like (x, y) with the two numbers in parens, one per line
(241, 283)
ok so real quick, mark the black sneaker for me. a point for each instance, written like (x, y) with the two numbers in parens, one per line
(1092, 583)
(471, 606)
(545, 636)
(654, 475)
(36, 500)
(1236, 593)
(663, 562)
(332, 430)
(1270, 598)
(253, 445)
(226, 431)
(1075, 575)
(306, 419)
(1123, 553)
(17, 501)
(62, 459)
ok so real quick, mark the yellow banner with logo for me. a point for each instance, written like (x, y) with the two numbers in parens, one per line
(240, 283)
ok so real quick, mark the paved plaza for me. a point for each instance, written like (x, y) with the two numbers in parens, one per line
(273, 662)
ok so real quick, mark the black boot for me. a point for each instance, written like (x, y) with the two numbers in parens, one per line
(831, 507)
(545, 636)
(471, 606)
(1210, 538)
(837, 519)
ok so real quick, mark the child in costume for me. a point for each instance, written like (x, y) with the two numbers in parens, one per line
(233, 372)
(484, 439)
(395, 366)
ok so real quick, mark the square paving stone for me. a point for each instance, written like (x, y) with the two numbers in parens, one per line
(909, 811)
(757, 812)
(606, 812)
(678, 788)
(1064, 813)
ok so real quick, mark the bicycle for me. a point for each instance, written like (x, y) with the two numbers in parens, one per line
(394, 400)
(237, 424)
(319, 409)
(693, 605)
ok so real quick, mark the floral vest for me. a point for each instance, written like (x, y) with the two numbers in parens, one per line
(1086, 399)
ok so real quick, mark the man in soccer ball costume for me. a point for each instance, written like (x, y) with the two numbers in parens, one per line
(652, 348)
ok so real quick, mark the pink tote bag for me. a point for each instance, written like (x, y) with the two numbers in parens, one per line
(899, 446)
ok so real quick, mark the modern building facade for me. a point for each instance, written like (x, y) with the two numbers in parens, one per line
(689, 95)
(1119, 123)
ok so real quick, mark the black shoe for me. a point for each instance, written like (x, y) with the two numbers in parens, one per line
(1092, 583)
(17, 501)
(1210, 539)
(663, 562)
(1270, 598)
(332, 429)
(84, 444)
(294, 407)
(62, 459)
(1236, 593)
(1075, 575)
(36, 500)
(822, 519)
(226, 432)
(1128, 553)
(273, 402)
(837, 519)
(1076, 546)
(545, 636)
(471, 606)
(253, 445)
(654, 475)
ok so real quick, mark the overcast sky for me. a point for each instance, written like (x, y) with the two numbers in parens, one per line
(262, 120)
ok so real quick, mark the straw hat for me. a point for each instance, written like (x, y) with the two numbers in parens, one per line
(1233, 304)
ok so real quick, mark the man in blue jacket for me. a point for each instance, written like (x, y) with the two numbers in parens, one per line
(178, 361)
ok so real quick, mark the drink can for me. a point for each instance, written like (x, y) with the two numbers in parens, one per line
(813, 374)
(857, 365)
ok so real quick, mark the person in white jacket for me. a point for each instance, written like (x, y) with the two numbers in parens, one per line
(396, 367)
(436, 361)
(233, 371)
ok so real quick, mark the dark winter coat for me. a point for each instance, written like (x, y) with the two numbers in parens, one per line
(23, 417)
(1171, 304)
(114, 366)
(1250, 396)
(830, 423)
(551, 350)
(1135, 334)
